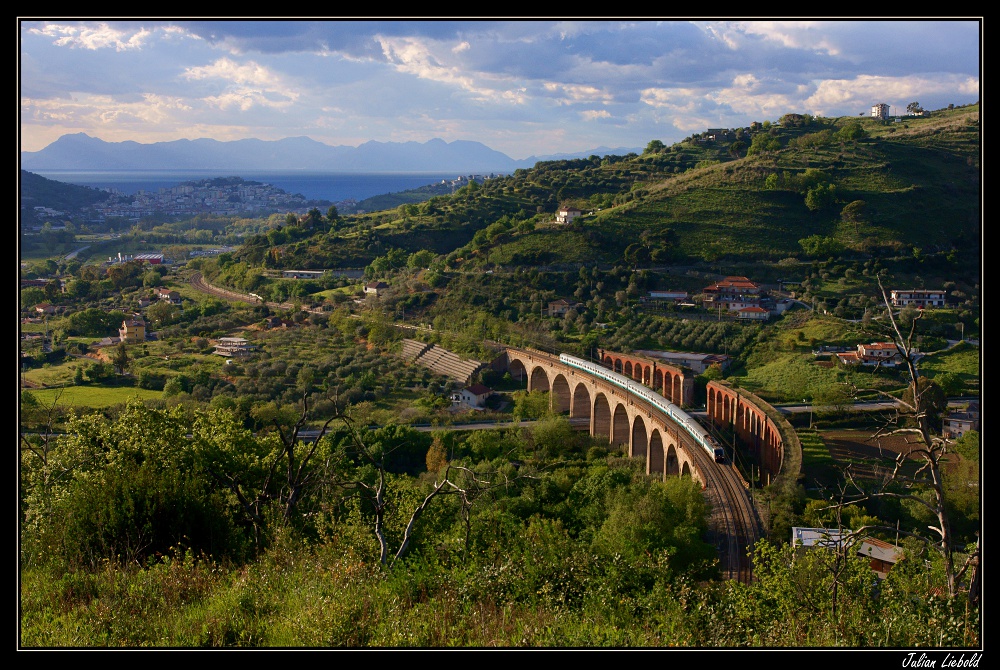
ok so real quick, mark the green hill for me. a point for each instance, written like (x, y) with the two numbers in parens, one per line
(847, 185)
(37, 190)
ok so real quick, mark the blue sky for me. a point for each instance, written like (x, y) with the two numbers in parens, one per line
(524, 87)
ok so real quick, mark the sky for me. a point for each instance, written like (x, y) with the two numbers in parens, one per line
(522, 87)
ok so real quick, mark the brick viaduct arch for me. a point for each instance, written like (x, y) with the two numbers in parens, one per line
(630, 423)
(728, 407)
(669, 381)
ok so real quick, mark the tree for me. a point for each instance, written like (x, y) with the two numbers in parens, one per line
(914, 418)
(820, 197)
(855, 212)
(932, 397)
(654, 147)
(763, 143)
(371, 482)
(120, 359)
(914, 108)
(851, 132)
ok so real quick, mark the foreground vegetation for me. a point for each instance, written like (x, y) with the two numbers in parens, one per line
(167, 497)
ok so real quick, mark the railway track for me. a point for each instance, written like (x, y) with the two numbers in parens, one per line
(740, 520)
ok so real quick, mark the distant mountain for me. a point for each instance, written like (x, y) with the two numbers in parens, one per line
(599, 151)
(82, 152)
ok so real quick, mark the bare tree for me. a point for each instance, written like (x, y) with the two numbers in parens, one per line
(292, 457)
(912, 419)
(455, 480)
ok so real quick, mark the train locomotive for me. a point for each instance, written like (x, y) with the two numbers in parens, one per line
(680, 417)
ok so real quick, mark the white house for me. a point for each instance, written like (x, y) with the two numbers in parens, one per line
(753, 314)
(956, 424)
(918, 297)
(376, 288)
(880, 111)
(567, 214)
(474, 396)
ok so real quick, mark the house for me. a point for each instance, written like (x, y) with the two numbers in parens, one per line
(918, 297)
(273, 322)
(753, 314)
(45, 308)
(567, 214)
(849, 357)
(234, 347)
(376, 288)
(880, 111)
(166, 294)
(696, 362)
(879, 353)
(719, 134)
(132, 331)
(561, 306)
(145, 302)
(882, 555)
(733, 294)
(956, 424)
(781, 306)
(474, 396)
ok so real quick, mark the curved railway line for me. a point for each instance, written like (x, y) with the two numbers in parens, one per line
(734, 520)
(740, 520)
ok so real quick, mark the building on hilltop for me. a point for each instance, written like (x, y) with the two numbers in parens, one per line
(880, 111)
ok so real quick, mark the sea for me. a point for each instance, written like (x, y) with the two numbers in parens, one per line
(331, 186)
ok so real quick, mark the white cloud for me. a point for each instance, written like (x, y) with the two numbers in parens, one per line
(793, 34)
(594, 114)
(833, 95)
(105, 114)
(669, 98)
(101, 36)
(247, 84)
(577, 93)
(417, 57)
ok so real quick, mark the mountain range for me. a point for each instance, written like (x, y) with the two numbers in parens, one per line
(80, 151)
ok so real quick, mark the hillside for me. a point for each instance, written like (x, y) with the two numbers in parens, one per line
(847, 185)
(38, 190)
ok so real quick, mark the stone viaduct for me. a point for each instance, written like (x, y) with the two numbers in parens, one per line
(668, 380)
(757, 431)
(627, 421)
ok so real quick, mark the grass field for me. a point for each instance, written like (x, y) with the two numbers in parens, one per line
(962, 360)
(92, 396)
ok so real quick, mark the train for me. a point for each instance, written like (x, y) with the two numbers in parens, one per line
(679, 416)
